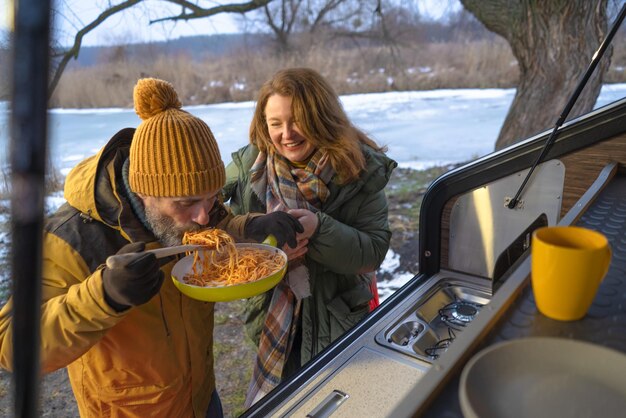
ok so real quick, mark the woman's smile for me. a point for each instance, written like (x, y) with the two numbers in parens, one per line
(284, 132)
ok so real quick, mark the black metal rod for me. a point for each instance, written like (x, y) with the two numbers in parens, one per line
(570, 103)
(28, 156)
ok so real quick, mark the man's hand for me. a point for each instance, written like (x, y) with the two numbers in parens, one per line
(134, 281)
(280, 224)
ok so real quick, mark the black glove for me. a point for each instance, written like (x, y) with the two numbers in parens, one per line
(280, 224)
(134, 281)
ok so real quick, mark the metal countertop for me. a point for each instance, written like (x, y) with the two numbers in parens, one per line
(604, 324)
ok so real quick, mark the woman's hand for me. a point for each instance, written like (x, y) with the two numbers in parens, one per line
(309, 222)
(307, 219)
(300, 249)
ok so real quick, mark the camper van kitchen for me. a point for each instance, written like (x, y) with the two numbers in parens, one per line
(464, 337)
(419, 352)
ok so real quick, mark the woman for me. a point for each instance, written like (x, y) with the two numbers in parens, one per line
(306, 158)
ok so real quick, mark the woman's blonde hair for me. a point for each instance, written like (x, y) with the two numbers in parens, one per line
(320, 117)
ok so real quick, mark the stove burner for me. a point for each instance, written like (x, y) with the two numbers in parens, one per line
(464, 312)
(459, 313)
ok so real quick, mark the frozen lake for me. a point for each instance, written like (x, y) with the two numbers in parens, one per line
(421, 128)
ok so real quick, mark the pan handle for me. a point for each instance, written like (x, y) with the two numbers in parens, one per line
(270, 240)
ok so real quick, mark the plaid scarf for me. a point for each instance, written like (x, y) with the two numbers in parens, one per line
(282, 187)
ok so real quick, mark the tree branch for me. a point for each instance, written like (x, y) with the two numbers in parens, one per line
(78, 39)
(498, 15)
(330, 6)
(197, 11)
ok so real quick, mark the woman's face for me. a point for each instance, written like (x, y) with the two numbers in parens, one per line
(284, 132)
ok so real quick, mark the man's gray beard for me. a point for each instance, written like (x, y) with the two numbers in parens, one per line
(165, 229)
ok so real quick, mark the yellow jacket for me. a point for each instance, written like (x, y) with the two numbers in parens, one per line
(154, 360)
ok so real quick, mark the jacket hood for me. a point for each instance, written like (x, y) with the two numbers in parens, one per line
(90, 186)
(378, 170)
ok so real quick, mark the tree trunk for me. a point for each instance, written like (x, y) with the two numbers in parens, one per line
(554, 42)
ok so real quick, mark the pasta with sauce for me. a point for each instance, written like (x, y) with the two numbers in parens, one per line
(226, 264)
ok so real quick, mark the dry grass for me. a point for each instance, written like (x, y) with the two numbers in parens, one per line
(5, 183)
(238, 76)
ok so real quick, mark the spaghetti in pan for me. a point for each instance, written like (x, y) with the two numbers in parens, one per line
(229, 271)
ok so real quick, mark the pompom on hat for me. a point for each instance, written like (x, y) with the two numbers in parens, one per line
(173, 153)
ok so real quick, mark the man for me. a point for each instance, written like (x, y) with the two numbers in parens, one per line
(134, 346)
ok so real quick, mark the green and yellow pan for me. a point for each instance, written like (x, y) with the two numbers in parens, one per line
(232, 292)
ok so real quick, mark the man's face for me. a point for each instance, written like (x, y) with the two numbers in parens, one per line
(171, 217)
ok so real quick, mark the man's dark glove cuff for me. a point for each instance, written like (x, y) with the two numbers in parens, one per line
(118, 307)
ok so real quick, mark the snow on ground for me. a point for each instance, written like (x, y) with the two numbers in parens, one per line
(390, 264)
(53, 202)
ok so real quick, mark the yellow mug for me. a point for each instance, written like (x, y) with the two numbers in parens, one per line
(567, 265)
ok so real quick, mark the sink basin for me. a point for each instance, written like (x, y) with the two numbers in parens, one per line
(406, 332)
(441, 313)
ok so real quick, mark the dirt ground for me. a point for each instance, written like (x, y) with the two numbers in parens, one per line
(233, 361)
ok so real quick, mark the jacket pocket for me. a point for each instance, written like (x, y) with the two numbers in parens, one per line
(347, 309)
(170, 400)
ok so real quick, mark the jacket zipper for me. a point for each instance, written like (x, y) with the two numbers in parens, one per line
(167, 328)
(314, 330)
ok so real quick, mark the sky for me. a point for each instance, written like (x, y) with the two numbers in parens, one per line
(132, 25)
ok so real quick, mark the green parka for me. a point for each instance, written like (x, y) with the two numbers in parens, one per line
(151, 360)
(352, 238)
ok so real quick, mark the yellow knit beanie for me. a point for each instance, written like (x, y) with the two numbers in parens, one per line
(173, 153)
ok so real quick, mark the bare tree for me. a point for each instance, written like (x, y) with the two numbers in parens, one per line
(189, 10)
(553, 42)
(284, 18)
(324, 19)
